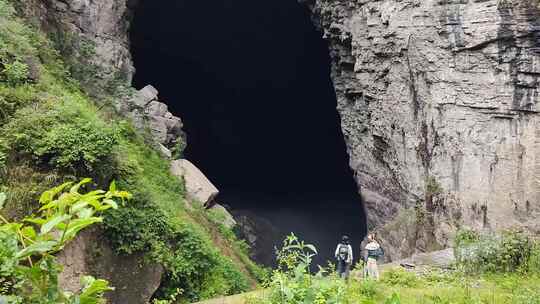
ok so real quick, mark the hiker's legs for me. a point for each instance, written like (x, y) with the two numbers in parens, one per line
(340, 268)
(372, 269)
(347, 271)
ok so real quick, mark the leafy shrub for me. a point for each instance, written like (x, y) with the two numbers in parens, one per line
(28, 268)
(15, 73)
(75, 145)
(195, 266)
(505, 252)
(393, 299)
(6, 10)
(525, 296)
(400, 277)
(60, 140)
(136, 227)
(533, 263)
(13, 98)
(368, 288)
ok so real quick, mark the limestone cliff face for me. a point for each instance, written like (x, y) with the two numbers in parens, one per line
(439, 107)
(104, 24)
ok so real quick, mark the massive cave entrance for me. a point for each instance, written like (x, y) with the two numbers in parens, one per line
(251, 81)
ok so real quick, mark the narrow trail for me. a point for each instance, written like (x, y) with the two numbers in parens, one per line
(235, 299)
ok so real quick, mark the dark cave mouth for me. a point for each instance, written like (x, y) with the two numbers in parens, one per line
(250, 80)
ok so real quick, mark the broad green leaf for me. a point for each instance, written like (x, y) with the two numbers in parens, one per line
(29, 232)
(79, 224)
(11, 227)
(49, 195)
(93, 289)
(111, 203)
(94, 195)
(78, 206)
(50, 205)
(104, 207)
(94, 202)
(3, 198)
(51, 223)
(75, 188)
(36, 248)
(85, 213)
(112, 187)
(35, 220)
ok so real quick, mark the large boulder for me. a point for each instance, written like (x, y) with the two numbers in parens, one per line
(134, 278)
(199, 188)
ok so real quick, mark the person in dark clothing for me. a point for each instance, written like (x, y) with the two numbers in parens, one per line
(344, 256)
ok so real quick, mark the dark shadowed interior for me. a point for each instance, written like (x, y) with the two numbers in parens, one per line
(251, 81)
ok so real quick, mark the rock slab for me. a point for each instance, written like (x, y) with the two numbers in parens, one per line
(199, 188)
(135, 280)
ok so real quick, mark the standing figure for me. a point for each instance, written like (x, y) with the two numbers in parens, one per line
(373, 252)
(344, 256)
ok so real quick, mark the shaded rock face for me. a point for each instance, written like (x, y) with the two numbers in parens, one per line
(260, 234)
(439, 108)
(135, 280)
(103, 23)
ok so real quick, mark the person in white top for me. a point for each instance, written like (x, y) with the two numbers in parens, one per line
(373, 252)
(344, 256)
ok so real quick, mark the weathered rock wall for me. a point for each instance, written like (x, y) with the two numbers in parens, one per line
(134, 278)
(104, 24)
(439, 107)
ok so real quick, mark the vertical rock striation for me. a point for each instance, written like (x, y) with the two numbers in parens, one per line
(439, 107)
(76, 25)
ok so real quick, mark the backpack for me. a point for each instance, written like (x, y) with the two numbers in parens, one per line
(343, 252)
(376, 253)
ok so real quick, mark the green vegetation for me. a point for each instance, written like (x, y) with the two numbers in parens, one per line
(509, 251)
(292, 282)
(51, 132)
(28, 268)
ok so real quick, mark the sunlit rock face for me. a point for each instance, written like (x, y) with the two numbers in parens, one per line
(83, 24)
(439, 107)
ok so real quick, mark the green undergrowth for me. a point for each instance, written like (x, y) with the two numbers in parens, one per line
(51, 132)
(293, 283)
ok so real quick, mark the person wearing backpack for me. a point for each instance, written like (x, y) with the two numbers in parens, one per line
(344, 256)
(374, 252)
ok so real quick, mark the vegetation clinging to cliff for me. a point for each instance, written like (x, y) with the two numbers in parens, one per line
(51, 131)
